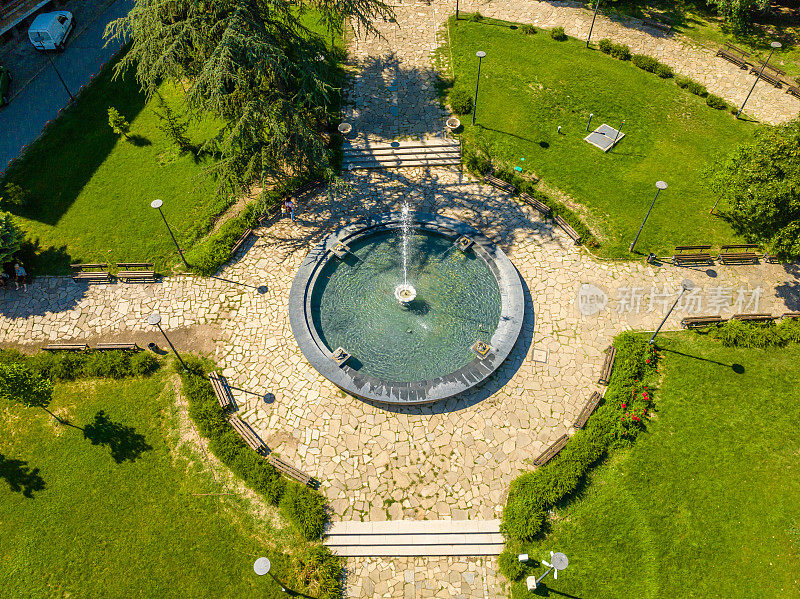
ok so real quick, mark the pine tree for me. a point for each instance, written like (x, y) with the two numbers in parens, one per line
(10, 238)
(118, 123)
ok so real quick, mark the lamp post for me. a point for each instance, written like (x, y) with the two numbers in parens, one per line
(596, 6)
(157, 205)
(155, 320)
(480, 54)
(558, 561)
(775, 46)
(659, 186)
(456, 10)
(686, 285)
(262, 566)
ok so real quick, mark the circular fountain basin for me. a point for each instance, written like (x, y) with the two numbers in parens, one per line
(411, 343)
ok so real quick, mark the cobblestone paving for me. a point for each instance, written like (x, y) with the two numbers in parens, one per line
(423, 578)
(720, 77)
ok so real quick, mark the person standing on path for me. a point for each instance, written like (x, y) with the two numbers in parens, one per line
(290, 207)
(21, 275)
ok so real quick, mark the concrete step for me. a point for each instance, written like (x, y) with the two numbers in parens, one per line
(407, 538)
(403, 164)
(427, 152)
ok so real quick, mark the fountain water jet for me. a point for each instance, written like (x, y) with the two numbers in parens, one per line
(405, 292)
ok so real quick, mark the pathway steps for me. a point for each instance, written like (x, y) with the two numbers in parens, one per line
(415, 538)
(400, 154)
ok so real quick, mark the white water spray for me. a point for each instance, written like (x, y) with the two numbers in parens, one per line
(404, 292)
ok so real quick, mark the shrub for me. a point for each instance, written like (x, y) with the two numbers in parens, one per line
(716, 102)
(318, 562)
(644, 62)
(68, 366)
(306, 508)
(605, 46)
(621, 52)
(697, 89)
(510, 566)
(143, 363)
(664, 71)
(682, 82)
(528, 29)
(476, 17)
(558, 34)
(477, 163)
(789, 329)
(112, 364)
(739, 333)
(460, 101)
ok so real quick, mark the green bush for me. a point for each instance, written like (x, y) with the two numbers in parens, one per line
(621, 52)
(528, 29)
(477, 163)
(111, 364)
(716, 102)
(664, 71)
(476, 17)
(697, 89)
(740, 333)
(558, 34)
(326, 568)
(605, 46)
(510, 566)
(304, 507)
(682, 81)
(460, 101)
(789, 329)
(68, 366)
(644, 62)
(143, 363)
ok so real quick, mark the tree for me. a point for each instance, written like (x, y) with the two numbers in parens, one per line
(14, 195)
(118, 123)
(10, 238)
(761, 182)
(738, 13)
(24, 385)
(253, 64)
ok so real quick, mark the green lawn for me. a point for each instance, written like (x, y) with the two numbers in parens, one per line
(531, 84)
(707, 502)
(91, 190)
(123, 513)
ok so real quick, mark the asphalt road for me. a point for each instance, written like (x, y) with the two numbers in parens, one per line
(22, 121)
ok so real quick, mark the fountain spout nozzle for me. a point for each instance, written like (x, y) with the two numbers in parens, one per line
(405, 293)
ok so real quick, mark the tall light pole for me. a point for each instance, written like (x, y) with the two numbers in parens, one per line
(155, 320)
(480, 54)
(456, 10)
(262, 566)
(686, 285)
(775, 46)
(596, 6)
(157, 205)
(659, 186)
(558, 561)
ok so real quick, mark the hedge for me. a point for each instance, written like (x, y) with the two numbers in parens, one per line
(68, 366)
(618, 420)
(303, 507)
(740, 333)
(460, 101)
(716, 102)
(644, 62)
(618, 51)
(558, 34)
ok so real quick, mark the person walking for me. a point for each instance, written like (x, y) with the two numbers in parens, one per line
(21, 276)
(290, 207)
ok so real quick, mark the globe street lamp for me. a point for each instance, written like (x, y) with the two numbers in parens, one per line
(775, 46)
(157, 205)
(480, 54)
(659, 186)
(262, 566)
(686, 285)
(155, 320)
(558, 561)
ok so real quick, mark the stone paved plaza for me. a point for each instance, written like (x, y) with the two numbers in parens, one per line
(453, 459)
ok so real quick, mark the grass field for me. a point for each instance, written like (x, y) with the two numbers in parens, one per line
(531, 84)
(707, 502)
(110, 508)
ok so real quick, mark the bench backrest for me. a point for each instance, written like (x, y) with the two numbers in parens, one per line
(772, 68)
(681, 248)
(730, 46)
(88, 265)
(143, 265)
(744, 246)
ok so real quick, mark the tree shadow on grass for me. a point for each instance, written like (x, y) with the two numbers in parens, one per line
(123, 441)
(20, 477)
(139, 141)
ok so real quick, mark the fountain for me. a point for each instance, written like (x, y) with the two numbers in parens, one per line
(423, 308)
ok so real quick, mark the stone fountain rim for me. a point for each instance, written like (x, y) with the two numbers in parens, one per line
(512, 308)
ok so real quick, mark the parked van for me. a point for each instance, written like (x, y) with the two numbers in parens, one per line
(49, 31)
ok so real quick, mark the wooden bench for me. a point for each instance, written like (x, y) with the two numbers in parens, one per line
(587, 410)
(551, 452)
(298, 194)
(286, 468)
(118, 346)
(727, 256)
(543, 208)
(222, 390)
(567, 229)
(66, 347)
(608, 365)
(248, 436)
(91, 273)
(657, 23)
(769, 73)
(500, 184)
(790, 315)
(793, 89)
(240, 242)
(694, 322)
(730, 53)
(699, 255)
(135, 271)
(755, 317)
